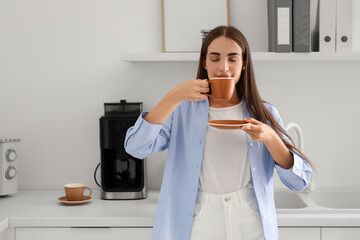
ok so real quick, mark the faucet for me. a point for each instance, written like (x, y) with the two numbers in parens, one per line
(311, 186)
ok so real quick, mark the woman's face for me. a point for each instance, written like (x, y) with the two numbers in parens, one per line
(224, 58)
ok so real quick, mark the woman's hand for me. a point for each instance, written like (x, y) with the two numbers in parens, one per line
(261, 132)
(191, 90)
(258, 131)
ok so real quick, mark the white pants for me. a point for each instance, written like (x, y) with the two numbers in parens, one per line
(230, 216)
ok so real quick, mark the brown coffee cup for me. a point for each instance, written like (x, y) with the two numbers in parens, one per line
(222, 88)
(75, 191)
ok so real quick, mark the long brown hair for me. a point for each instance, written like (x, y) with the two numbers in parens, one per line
(246, 86)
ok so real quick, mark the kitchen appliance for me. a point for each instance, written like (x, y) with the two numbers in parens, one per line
(8, 166)
(122, 175)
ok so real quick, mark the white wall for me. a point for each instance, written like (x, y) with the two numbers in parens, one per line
(61, 60)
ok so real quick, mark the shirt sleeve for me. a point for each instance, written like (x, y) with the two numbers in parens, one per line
(298, 176)
(144, 138)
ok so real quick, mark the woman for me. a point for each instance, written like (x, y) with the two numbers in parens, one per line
(218, 184)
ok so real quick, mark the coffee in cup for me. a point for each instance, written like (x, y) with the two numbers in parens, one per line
(75, 191)
(222, 88)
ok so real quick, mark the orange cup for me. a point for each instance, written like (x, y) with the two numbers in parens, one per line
(75, 191)
(222, 88)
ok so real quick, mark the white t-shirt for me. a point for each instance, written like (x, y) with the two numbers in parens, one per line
(225, 166)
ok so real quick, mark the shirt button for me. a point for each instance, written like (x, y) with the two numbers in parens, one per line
(254, 169)
(227, 199)
(201, 141)
(257, 193)
(251, 144)
(263, 216)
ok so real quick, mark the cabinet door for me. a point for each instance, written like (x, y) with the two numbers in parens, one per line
(83, 233)
(299, 233)
(340, 233)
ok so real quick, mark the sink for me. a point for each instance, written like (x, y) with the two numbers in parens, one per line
(342, 199)
(288, 200)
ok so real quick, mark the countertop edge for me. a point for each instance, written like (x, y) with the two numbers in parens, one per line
(120, 222)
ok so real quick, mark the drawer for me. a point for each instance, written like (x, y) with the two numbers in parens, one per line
(299, 233)
(343, 233)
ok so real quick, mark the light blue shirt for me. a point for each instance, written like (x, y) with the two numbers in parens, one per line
(183, 134)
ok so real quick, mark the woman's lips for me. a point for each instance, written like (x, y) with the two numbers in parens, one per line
(223, 75)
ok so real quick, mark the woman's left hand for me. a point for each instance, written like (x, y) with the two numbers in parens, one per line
(258, 131)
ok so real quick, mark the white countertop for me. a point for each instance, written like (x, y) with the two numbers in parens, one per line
(9, 204)
(41, 208)
(47, 211)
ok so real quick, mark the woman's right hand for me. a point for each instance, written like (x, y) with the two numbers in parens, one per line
(192, 90)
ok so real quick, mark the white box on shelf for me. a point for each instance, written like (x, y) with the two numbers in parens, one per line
(327, 25)
(356, 26)
(344, 25)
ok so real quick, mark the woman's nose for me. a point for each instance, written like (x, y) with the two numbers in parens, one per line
(224, 66)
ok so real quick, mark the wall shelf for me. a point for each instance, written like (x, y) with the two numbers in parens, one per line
(256, 56)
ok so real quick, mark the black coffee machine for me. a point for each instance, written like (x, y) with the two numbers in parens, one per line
(122, 175)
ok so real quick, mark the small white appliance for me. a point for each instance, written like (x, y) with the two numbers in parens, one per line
(8, 166)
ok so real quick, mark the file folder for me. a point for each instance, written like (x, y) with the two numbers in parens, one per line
(344, 26)
(356, 26)
(314, 25)
(283, 26)
(327, 25)
(271, 24)
(301, 26)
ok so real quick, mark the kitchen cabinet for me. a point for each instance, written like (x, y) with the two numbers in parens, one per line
(83, 233)
(324, 233)
(299, 233)
(342, 233)
(293, 233)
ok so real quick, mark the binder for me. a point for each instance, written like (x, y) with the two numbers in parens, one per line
(301, 25)
(314, 25)
(271, 25)
(356, 27)
(283, 36)
(344, 26)
(327, 25)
